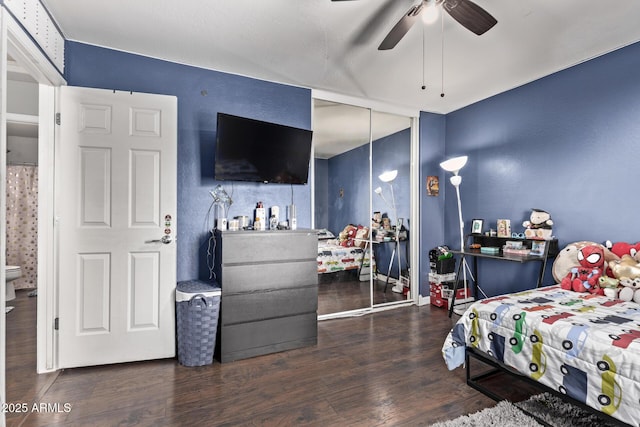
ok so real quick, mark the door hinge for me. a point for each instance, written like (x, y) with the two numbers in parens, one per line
(58, 118)
(56, 323)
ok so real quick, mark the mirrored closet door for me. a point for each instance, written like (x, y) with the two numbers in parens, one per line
(361, 238)
(341, 150)
(391, 205)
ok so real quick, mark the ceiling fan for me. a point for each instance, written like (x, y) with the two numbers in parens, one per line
(467, 13)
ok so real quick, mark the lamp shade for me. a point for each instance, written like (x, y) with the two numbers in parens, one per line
(378, 191)
(455, 164)
(388, 176)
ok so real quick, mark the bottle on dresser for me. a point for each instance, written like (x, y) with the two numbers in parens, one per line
(261, 217)
(293, 223)
(274, 218)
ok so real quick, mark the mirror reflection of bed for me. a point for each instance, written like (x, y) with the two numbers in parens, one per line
(352, 147)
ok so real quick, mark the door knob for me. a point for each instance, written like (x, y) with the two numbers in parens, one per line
(165, 239)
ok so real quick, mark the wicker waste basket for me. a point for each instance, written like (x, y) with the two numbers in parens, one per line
(197, 308)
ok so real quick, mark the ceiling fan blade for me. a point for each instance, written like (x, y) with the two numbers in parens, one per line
(400, 29)
(470, 15)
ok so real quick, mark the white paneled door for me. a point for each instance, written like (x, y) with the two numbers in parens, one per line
(116, 209)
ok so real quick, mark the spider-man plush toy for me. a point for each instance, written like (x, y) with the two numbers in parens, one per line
(584, 278)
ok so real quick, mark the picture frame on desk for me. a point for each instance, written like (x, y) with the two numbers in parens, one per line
(538, 247)
(476, 226)
(504, 227)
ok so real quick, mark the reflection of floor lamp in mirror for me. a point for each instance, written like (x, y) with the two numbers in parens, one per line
(454, 165)
(388, 177)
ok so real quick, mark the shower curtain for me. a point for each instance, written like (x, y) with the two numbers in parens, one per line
(22, 223)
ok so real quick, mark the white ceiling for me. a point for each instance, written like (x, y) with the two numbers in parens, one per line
(332, 46)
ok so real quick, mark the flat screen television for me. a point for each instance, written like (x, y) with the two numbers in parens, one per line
(257, 151)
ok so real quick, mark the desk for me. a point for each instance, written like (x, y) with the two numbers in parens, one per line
(396, 248)
(550, 251)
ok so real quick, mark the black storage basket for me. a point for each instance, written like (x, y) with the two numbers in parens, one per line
(197, 309)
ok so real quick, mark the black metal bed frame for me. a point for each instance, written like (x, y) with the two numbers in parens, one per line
(475, 382)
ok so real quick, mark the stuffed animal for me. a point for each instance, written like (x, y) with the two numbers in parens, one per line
(610, 286)
(347, 236)
(626, 266)
(568, 258)
(630, 290)
(627, 270)
(585, 277)
(362, 234)
(624, 248)
(539, 225)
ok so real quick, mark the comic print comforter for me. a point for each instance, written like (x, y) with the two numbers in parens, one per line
(332, 258)
(582, 345)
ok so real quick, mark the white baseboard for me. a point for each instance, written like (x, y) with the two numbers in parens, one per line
(423, 300)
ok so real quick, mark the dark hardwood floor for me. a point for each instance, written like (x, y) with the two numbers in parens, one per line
(380, 369)
(342, 291)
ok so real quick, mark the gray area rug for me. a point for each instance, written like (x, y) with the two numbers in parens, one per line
(550, 409)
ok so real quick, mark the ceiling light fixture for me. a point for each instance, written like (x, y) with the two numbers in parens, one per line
(430, 14)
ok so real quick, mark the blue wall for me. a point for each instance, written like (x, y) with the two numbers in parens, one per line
(350, 172)
(348, 189)
(201, 94)
(565, 143)
(321, 190)
(562, 143)
(432, 152)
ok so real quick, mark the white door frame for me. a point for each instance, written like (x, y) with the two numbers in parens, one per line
(14, 41)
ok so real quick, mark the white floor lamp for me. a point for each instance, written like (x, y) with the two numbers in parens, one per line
(388, 177)
(454, 165)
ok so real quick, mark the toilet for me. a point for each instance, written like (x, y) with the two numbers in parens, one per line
(12, 272)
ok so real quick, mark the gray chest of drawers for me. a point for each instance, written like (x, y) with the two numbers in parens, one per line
(269, 292)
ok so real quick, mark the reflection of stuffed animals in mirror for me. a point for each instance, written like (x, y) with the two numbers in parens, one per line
(376, 220)
(539, 225)
(386, 223)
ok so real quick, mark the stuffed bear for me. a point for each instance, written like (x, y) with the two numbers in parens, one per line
(630, 290)
(539, 225)
(627, 271)
(585, 277)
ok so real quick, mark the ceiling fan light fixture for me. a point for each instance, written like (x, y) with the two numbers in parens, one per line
(467, 13)
(430, 14)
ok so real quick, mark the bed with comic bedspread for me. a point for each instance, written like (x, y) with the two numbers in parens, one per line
(333, 257)
(349, 251)
(584, 346)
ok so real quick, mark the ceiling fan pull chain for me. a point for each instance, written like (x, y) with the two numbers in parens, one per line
(423, 59)
(442, 53)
